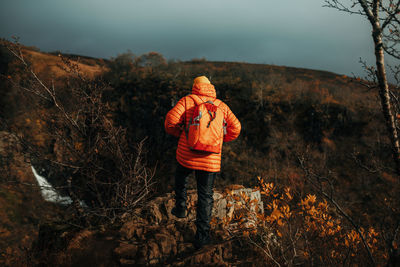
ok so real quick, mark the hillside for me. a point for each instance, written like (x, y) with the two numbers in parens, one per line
(299, 126)
(23, 208)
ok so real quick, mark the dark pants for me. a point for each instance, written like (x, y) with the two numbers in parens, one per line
(205, 182)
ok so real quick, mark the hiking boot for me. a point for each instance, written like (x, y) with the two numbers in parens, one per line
(200, 243)
(180, 213)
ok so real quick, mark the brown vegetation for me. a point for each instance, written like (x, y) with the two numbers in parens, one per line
(293, 120)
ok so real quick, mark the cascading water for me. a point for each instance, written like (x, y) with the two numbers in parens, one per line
(48, 191)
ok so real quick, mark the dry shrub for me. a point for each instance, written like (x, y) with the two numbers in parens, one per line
(88, 153)
(301, 231)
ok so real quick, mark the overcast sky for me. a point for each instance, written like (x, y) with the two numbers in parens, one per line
(299, 33)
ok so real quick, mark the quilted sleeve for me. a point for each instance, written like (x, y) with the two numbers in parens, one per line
(233, 126)
(174, 121)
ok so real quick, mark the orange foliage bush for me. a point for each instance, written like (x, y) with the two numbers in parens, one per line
(300, 230)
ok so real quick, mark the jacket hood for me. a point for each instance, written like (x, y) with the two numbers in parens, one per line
(205, 89)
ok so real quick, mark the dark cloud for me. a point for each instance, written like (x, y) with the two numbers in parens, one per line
(292, 33)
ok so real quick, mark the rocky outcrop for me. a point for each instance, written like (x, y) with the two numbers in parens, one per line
(152, 236)
(168, 240)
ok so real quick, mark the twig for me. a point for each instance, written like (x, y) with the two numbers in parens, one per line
(338, 208)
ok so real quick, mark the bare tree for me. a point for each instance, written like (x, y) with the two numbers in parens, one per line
(383, 16)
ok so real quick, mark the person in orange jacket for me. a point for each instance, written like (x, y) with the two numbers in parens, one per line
(205, 165)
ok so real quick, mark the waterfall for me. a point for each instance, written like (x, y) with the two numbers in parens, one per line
(48, 191)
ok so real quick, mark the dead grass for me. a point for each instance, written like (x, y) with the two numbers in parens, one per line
(49, 65)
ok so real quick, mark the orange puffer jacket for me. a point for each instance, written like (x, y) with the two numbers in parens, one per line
(180, 115)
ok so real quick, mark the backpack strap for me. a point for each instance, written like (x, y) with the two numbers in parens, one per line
(218, 102)
(192, 96)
